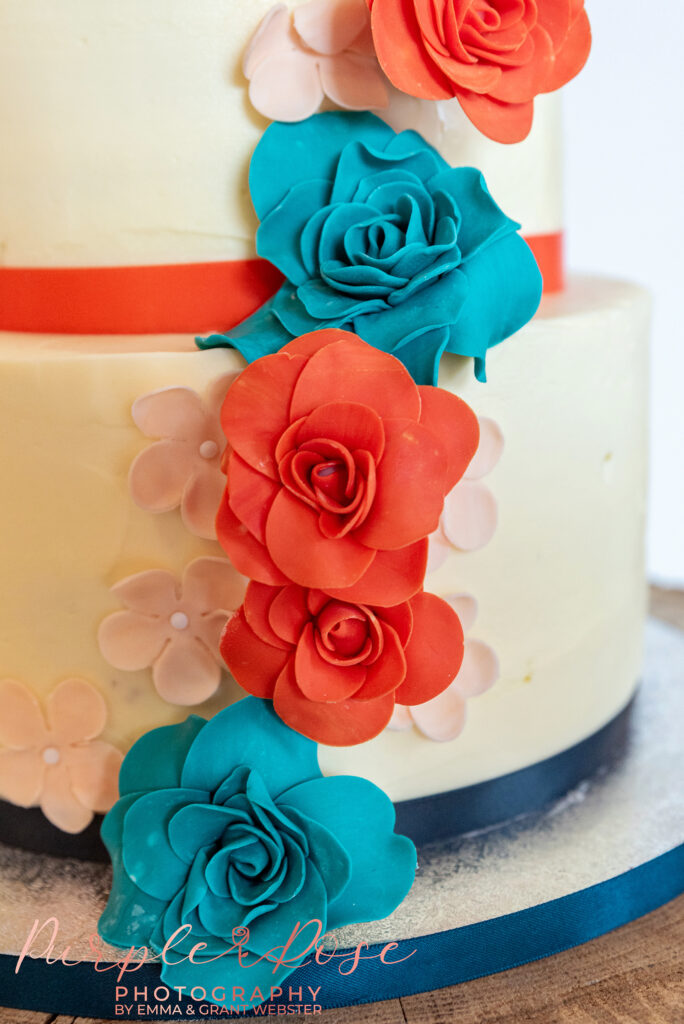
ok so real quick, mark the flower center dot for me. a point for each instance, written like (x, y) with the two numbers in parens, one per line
(208, 449)
(51, 755)
(179, 620)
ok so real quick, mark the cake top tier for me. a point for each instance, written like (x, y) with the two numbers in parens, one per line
(131, 133)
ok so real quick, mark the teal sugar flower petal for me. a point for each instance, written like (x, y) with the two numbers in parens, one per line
(290, 218)
(483, 222)
(361, 817)
(149, 859)
(250, 733)
(130, 915)
(312, 149)
(156, 760)
(482, 323)
(264, 843)
(367, 226)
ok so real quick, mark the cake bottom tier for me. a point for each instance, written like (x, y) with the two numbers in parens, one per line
(559, 588)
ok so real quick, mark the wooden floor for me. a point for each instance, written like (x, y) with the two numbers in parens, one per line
(634, 975)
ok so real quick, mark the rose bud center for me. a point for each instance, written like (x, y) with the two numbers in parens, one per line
(347, 634)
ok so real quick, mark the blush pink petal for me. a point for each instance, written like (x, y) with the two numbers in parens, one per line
(479, 670)
(272, 36)
(354, 82)
(201, 500)
(59, 803)
(21, 721)
(470, 515)
(94, 774)
(443, 717)
(154, 592)
(209, 628)
(287, 86)
(159, 475)
(170, 412)
(438, 550)
(76, 711)
(401, 719)
(21, 776)
(331, 26)
(488, 450)
(186, 673)
(131, 641)
(212, 584)
(465, 607)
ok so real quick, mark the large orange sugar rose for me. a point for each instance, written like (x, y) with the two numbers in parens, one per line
(337, 468)
(334, 669)
(495, 56)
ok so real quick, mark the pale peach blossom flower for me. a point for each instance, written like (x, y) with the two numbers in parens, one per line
(443, 717)
(182, 469)
(470, 513)
(53, 759)
(174, 628)
(323, 49)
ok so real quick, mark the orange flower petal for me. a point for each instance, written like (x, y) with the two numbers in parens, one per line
(455, 424)
(352, 371)
(572, 56)
(257, 610)
(400, 618)
(411, 484)
(250, 495)
(209, 629)
(435, 651)
(59, 803)
(407, 65)
(387, 673)
(76, 711)
(393, 577)
(502, 122)
(21, 722)
(348, 423)
(248, 555)
(320, 681)
(94, 774)
(21, 776)
(339, 725)
(303, 554)
(308, 344)
(289, 614)
(256, 410)
(254, 664)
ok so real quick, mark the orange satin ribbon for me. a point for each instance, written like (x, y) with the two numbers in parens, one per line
(193, 298)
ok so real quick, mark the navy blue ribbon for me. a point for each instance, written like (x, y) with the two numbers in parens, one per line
(426, 819)
(429, 962)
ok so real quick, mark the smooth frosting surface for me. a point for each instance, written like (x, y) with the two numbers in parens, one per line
(560, 586)
(132, 132)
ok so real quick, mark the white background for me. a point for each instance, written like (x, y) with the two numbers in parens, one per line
(624, 192)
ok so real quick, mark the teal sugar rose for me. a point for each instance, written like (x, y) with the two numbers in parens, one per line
(375, 233)
(229, 826)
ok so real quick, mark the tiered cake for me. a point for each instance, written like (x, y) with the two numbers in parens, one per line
(127, 230)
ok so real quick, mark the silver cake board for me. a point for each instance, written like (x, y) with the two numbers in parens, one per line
(610, 851)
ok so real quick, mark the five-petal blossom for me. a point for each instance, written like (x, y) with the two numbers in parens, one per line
(54, 759)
